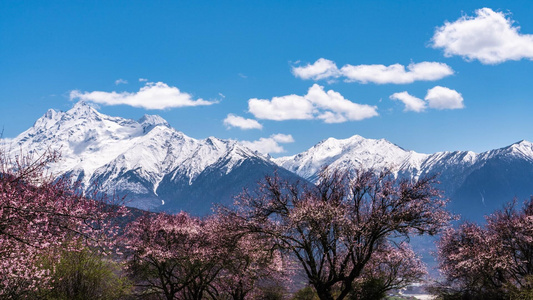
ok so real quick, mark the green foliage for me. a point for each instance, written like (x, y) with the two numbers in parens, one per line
(370, 289)
(307, 293)
(272, 291)
(523, 293)
(84, 274)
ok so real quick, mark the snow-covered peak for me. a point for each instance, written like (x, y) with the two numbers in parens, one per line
(522, 145)
(148, 122)
(51, 114)
(216, 143)
(355, 151)
(153, 120)
(48, 119)
(82, 109)
(92, 144)
(331, 145)
(354, 139)
(245, 152)
(522, 149)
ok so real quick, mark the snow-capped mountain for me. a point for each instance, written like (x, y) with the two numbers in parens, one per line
(354, 152)
(158, 167)
(476, 183)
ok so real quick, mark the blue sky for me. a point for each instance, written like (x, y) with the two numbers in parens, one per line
(279, 75)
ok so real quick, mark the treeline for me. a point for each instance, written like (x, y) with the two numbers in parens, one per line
(345, 237)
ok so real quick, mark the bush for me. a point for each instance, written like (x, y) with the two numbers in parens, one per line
(307, 293)
(84, 274)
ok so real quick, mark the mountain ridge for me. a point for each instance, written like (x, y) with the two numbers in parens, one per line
(161, 168)
(477, 183)
(133, 157)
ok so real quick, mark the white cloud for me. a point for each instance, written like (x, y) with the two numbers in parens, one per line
(291, 107)
(396, 73)
(412, 103)
(444, 98)
(282, 138)
(334, 108)
(121, 81)
(237, 121)
(489, 37)
(321, 69)
(270, 144)
(143, 79)
(152, 96)
(380, 74)
(438, 97)
(329, 106)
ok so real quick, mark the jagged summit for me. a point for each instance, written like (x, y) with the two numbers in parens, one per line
(353, 152)
(522, 144)
(51, 114)
(522, 149)
(148, 122)
(82, 106)
(153, 120)
(83, 109)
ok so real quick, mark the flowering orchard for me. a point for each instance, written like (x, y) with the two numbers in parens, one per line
(38, 217)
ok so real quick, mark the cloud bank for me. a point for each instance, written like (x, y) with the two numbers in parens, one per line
(489, 37)
(157, 95)
(237, 121)
(329, 106)
(270, 144)
(379, 74)
(437, 98)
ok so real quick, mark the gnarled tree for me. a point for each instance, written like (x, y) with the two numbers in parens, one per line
(250, 265)
(336, 228)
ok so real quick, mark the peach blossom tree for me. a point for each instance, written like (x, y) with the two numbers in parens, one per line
(336, 229)
(185, 257)
(490, 261)
(40, 215)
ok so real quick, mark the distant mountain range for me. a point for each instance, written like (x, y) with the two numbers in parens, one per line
(160, 168)
(477, 183)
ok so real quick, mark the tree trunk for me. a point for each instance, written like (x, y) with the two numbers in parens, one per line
(324, 292)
